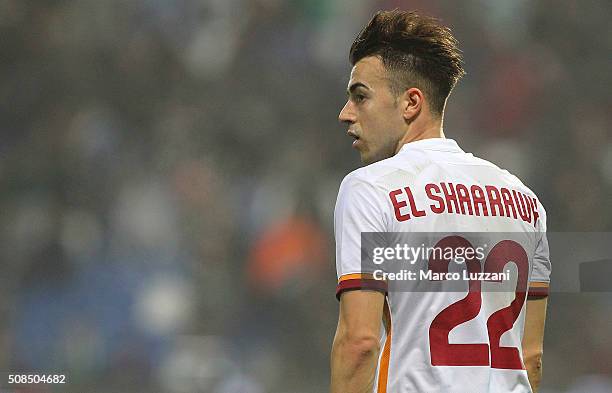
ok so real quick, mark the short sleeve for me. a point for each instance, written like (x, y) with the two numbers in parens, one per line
(541, 261)
(359, 209)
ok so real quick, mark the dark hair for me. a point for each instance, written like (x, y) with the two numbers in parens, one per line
(415, 50)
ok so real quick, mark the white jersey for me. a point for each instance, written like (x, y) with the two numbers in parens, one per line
(444, 341)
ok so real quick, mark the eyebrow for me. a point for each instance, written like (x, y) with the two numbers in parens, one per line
(355, 86)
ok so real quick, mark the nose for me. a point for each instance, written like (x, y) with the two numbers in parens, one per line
(347, 115)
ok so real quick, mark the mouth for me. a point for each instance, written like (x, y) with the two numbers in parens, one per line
(356, 139)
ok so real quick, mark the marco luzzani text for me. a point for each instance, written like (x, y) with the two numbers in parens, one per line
(409, 254)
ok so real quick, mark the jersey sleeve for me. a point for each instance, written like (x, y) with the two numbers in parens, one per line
(541, 262)
(359, 209)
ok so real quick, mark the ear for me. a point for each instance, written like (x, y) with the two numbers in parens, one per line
(412, 102)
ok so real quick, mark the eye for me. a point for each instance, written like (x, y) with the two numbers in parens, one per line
(359, 98)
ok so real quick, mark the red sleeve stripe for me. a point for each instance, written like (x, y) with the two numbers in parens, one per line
(537, 293)
(352, 284)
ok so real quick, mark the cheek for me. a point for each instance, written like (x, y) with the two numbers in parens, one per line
(378, 120)
(381, 121)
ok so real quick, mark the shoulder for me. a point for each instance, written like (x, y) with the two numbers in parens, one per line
(360, 184)
(514, 182)
(506, 176)
(364, 189)
(372, 175)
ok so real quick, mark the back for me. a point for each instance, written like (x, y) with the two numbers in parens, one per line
(442, 335)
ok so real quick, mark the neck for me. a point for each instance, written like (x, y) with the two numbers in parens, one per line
(425, 130)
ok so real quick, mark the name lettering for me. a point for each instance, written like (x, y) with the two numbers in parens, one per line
(474, 200)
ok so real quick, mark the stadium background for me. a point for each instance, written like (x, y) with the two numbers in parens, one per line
(168, 172)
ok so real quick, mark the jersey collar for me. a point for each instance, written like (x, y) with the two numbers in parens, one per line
(435, 144)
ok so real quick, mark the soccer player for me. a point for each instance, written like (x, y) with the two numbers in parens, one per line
(416, 180)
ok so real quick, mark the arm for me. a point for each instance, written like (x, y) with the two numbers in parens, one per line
(357, 342)
(534, 336)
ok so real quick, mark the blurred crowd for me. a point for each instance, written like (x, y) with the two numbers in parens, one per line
(168, 173)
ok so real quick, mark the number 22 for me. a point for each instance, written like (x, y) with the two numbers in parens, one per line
(445, 354)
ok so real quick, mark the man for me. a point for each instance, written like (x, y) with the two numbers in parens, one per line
(416, 180)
